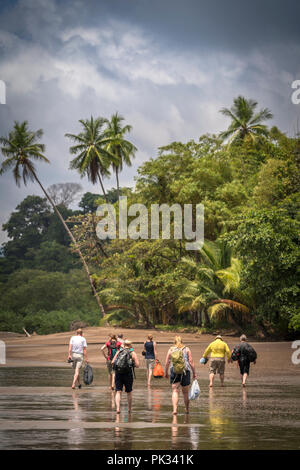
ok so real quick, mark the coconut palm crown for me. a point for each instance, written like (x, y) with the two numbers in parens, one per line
(20, 148)
(92, 159)
(246, 122)
(122, 149)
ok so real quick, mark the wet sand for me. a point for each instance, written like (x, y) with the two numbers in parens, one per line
(52, 350)
(38, 409)
(35, 414)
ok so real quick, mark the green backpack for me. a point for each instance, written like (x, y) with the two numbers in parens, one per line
(178, 361)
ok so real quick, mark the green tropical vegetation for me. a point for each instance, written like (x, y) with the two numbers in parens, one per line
(244, 278)
(21, 148)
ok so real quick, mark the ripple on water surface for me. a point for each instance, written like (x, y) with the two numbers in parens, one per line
(38, 410)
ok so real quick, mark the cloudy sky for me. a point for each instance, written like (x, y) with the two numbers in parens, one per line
(167, 66)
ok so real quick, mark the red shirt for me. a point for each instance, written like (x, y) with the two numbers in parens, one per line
(108, 345)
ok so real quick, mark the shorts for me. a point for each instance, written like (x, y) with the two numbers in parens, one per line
(183, 379)
(217, 366)
(150, 363)
(244, 367)
(109, 367)
(124, 380)
(77, 360)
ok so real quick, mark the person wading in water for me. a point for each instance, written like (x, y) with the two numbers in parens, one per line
(217, 350)
(182, 364)
(77, 352)
(124, 363)
(150, 356)
(245, 351)
(112, 346)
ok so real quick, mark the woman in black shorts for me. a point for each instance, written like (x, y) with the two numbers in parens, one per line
(184, 379)
(125, 379)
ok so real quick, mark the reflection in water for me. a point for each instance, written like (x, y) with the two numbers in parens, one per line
(123, 435)
(193, 433)
(189, 434)
(244, 398)
(76, 434)
(156, 397)
(113, 400)
(174, 431)
(218, 422)
(222, 418)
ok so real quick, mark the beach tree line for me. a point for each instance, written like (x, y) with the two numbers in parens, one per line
(244, 277)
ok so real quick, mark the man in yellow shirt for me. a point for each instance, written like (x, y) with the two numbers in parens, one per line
(217, 350)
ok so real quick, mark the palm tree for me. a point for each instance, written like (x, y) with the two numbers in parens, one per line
(20, 148)
(122, 149)
(218, 273)
(92, 158)
(246, 123)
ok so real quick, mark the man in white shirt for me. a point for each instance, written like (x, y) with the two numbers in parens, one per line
(77, 352)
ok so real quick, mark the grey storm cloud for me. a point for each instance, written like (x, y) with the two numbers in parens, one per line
(167, 66)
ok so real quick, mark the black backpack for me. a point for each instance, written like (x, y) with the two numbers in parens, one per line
(249, 352)
(235, 354)
(123, 363)
(88, 375)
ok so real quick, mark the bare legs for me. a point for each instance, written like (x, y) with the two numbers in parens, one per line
(129, 399)
(244, 378)
(185, 392)
(76, 378)
(211, 379)
(110, 381)
(149, 375)
(175, 397)
(118, 401)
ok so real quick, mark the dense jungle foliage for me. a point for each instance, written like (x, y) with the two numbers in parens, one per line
(245, 277)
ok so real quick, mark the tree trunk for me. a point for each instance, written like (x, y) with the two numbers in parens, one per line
(105, 196)
(75, 245)
(118, 186)
(206, 317)
(97, 242)
(102, 187)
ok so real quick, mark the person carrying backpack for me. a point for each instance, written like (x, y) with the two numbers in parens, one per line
(124, 363)
(246, 354)
(112, 346)
(180, 358)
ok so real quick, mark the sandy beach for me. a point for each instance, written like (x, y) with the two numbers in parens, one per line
(274, 358)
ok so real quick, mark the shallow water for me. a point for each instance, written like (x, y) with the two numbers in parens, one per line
(38, 410)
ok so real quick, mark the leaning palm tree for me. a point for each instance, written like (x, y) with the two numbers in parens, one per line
(218, 273)
(246, 123)
(20, 148)
(122, 149)
(92, 158)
